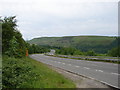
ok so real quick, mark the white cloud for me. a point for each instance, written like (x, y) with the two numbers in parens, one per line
(62, 17)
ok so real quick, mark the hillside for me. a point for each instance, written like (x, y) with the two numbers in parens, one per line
(100, 44)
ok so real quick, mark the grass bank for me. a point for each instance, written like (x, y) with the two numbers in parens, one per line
(28, 73)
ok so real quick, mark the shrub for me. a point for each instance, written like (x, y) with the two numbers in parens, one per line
(78, 52)
(115, 52)
(16, 73)
(90, 53)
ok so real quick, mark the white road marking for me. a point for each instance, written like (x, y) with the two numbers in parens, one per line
(77, 66)
(59, 62)
(86, 68)
(115, 73)
(99, 70)
(63, 63)
(69, 64)
(96, 70)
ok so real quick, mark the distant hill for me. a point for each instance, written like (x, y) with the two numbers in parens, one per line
(100, 44)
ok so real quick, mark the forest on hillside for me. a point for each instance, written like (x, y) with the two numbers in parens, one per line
(81, 45)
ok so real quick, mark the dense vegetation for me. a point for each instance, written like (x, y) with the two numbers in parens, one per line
(12, 42)
(37, 49)
(73, 51)
(28, 73)
(115, 52)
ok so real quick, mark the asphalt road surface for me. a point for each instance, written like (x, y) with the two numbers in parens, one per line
(104, 72)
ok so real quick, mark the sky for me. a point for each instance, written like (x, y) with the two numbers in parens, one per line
(56, 18)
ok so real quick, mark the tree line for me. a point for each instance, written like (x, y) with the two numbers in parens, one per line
(114, 52)
(32, 48)
(74, 51)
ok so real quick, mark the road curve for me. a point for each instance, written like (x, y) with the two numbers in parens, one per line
(104, 72)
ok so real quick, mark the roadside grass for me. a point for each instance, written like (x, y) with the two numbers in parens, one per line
(28, 73)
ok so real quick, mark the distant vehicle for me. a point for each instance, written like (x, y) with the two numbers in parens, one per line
(52, 52)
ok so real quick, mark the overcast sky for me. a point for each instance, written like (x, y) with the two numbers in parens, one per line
(41, 18)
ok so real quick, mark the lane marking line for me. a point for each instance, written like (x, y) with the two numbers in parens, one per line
(96, 70)
(115, 73)
(100, 70)
(77, 66)
(69, 64)
(86, 67)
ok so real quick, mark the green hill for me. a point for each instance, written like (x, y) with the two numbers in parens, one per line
(100, 44)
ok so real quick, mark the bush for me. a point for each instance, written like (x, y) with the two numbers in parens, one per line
(66, 51)
(37, 49)
(115, 52)
(90, 53)
(17, 72)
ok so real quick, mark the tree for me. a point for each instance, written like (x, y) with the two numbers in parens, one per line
(10, 35)
(66, 51)
(13, 49)
(115, 52)
(37, 49)
(8, 31)
(78, 52)
(90, 53)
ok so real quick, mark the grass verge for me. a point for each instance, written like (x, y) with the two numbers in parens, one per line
(28, 73)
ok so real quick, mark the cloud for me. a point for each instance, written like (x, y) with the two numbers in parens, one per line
(38, 18)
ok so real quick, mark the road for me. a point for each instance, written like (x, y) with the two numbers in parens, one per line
(104, 72)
